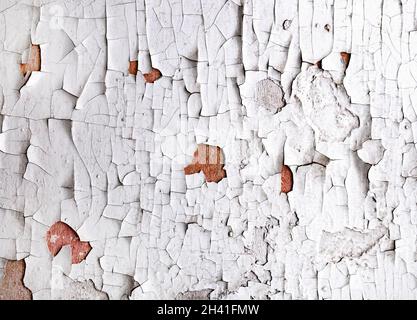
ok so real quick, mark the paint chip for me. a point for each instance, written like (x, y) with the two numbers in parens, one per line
(152, 76)
(286, 179)
(60, 234)
(346, 58)
(133, 67)
(34, 61)
(210, 160)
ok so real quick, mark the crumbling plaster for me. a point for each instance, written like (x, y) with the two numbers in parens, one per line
(222, 149)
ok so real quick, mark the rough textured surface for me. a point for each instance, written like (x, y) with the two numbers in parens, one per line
(348, 243)
(119, 95)
(269, 96)
(75, 290)
(195, 295)
(325, 105)
(11, 286)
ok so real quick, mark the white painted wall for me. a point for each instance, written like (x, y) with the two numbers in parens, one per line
(84, 142)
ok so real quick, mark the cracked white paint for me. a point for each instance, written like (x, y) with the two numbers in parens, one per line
(84, 142)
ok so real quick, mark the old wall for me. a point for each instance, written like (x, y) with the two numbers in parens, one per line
(209, 148)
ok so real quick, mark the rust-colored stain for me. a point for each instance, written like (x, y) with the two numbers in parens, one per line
(133, 67)
(60, 234)
(34, 61)
(345, 57)
(286, 179)
(12, 287)
(152, 76)
(210, 160)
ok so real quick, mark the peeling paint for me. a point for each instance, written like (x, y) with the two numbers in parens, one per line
(34, 61)
(209, 160)
(286, 179)
(267, 149)
(152, 76)
(60, 234)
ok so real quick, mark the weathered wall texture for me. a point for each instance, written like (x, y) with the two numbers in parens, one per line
(208, 149)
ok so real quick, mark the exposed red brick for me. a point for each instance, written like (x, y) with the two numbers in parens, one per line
(79, 251)
(345, 57)
(286, 179)
(152, 76)
(210, 160)
(34, 61)
(60, 234)
(12, 287)
(133, 67)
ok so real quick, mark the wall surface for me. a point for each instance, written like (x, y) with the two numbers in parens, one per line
(221, 149)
